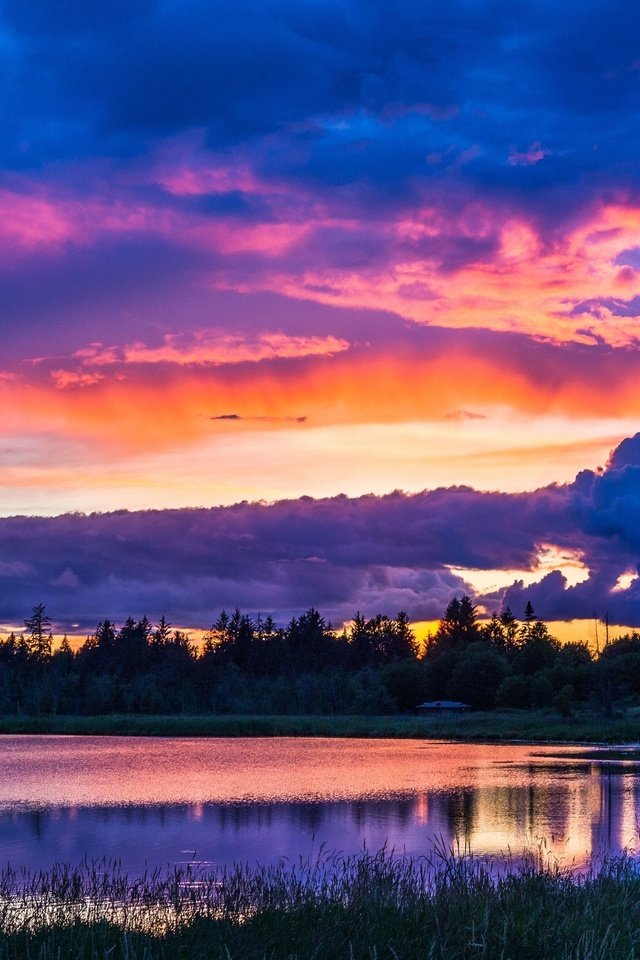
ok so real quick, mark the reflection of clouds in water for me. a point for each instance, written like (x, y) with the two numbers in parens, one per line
(592, 811)
(174, 800)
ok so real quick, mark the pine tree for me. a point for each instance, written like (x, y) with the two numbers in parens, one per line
(38, 627)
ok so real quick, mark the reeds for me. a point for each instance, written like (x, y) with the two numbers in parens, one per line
(367, 907)
(530, 725)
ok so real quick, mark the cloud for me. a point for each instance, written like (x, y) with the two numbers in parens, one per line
(369, 553)
(69, 378)
(236, 417)
(525, 158)
(351, 154)
(605, 509)
(340, 554)
(371, 213)
(381, 370)
(216, 347)
(464, 415)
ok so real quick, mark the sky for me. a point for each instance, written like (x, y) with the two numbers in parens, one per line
(314, 303)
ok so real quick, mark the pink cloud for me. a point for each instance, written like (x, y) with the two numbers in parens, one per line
(481, 263)
(33, 221)
(204, 346)
(70, 378)
(527, 158)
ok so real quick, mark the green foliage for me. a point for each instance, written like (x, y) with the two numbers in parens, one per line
(514, 692)
(250, 666)
(477, 676)
(333, 908)
(38, 636)
(459, 626)
(541, 690)
(406, 683)
(563, 700)
(482, 726)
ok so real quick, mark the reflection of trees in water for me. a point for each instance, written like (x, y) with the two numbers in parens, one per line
(617, 800)
(537, 809)
(458, 810)
(600, 801)
(313, 816)
(223, 818)
(35, 822)
(367, 813)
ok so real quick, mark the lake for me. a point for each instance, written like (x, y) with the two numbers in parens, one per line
(150, 802)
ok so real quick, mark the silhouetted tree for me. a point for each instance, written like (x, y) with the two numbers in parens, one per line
(459, 626)
(38, 627)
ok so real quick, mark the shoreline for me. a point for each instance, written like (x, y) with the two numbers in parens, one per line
(490, 727)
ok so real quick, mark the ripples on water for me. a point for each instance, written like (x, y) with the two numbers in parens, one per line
(153, 802)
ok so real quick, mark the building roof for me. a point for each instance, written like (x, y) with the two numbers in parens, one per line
(443, 705)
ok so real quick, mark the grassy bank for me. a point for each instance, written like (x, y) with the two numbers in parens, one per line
(356, 909)
(538, 726)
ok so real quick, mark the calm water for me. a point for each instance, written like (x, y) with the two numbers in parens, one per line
(163, 801)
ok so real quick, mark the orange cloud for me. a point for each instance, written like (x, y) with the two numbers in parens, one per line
(140, 409)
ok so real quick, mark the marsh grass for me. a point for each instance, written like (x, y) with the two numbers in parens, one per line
(367, 907)
(497, 725)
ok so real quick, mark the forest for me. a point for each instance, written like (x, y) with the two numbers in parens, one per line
(373, 666)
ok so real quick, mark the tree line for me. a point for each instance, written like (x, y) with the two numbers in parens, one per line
(372, 666)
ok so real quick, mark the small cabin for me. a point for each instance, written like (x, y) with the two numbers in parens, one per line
(443, 706)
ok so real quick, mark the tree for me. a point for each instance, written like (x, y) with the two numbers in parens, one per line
(459, 626)
(402, 641)
(360, 641)
(161, 636)
(538, 649)
(38, 627)
(309, 642)
(493, 632)
(477, 676)
(510, 626)
(529, 620)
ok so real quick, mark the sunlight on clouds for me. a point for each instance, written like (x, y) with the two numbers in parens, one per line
(525, 285)
(213, 347)
(253, 464)
(624, 581)
(550, 557)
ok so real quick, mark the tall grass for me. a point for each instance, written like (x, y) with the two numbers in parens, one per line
(532, 725)
(368, 907)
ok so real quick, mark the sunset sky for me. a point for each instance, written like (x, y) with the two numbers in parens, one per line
(316, 303)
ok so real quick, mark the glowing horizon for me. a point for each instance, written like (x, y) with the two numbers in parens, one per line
(252, 258)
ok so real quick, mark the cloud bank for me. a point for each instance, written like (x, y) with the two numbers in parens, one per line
(368, 553)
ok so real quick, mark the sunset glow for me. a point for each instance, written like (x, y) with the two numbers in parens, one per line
(303, 252)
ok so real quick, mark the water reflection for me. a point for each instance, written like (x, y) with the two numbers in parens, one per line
(150, 804)
(593, 813)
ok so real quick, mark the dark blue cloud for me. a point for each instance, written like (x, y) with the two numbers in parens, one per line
(357, 93)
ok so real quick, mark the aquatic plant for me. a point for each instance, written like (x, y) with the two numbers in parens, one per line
(446, 906)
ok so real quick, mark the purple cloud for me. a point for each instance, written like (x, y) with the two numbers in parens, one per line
(340, 554)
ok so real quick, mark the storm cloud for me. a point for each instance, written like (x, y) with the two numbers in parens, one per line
(340, 554)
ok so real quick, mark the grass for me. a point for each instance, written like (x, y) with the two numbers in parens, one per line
(369, 907)
(528, 725)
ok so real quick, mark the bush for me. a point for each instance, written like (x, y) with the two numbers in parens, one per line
(563, 700)
(477, 676)
(514, 692)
